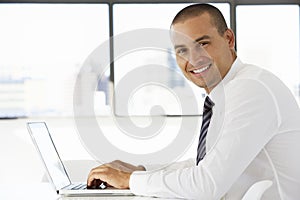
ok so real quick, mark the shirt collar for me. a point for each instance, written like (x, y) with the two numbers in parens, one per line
(218, 92)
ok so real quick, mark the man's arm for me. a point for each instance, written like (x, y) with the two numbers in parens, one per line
(250, 121)
(172, 166)
(117, 173)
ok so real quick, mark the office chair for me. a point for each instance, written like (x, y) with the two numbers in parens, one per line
(256, 191)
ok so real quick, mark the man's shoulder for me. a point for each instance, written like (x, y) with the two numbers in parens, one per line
(252, 73)
(253, 80)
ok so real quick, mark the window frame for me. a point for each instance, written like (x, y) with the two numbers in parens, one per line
(232, 4)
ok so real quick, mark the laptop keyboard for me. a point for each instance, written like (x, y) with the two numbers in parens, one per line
(80, 186)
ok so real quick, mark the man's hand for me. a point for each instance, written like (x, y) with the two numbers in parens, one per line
(116, 174)
(126, 167)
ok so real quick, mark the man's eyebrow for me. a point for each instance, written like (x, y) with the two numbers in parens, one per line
(179, 46)
(195, 41)
(202, 38)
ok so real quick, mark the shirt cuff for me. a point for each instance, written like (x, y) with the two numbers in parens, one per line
(152, 167)
(137, 182)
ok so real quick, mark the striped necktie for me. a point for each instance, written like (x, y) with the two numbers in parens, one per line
(207, 113)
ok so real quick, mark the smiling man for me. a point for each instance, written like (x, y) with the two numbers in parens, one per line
(250, 129)
(204, 53)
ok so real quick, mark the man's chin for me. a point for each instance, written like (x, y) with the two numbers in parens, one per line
(200, 84)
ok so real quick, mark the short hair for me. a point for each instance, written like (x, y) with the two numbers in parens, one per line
(194, 10)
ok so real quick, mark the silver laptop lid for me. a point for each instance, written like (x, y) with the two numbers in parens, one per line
(44, 144)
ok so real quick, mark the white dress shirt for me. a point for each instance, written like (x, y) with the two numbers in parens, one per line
(254, 134)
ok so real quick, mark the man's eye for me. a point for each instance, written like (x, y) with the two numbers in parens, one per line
(203, 44)
(181, 51)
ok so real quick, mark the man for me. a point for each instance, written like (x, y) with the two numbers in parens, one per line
(252, 132)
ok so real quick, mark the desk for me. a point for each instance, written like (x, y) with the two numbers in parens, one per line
(21, 170)
(44, 191)
(33, 191)
(16, 147)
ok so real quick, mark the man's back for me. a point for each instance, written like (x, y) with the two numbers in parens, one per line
(278, 160)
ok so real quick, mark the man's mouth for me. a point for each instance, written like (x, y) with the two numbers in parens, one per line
(201, 70)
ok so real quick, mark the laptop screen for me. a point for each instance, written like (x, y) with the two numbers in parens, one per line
(48, 153)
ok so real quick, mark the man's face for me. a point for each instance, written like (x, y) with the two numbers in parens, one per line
(203, 55)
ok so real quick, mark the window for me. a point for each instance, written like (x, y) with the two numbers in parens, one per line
(43, 47)
(268, 36)
(130, 19)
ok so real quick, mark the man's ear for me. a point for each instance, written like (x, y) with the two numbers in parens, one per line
(229, 35)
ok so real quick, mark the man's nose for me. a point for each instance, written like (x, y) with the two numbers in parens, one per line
(196, 56)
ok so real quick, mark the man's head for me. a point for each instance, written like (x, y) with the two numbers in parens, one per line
(203, 44)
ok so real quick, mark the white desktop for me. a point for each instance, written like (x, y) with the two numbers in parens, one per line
(21, 169)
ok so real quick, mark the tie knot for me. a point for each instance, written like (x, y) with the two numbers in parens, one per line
(208, 103)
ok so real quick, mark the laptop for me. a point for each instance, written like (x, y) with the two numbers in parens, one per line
(55, 168)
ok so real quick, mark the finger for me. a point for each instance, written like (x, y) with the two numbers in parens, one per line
(98, 173)
(94, 184)
(93, 180)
